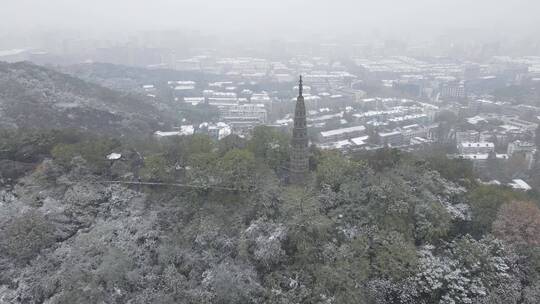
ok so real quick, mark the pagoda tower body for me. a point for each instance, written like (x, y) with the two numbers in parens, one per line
(299, 166)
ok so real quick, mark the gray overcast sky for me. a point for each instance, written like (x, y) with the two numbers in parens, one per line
(269, 15)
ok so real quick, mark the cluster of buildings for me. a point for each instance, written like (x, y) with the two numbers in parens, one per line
(249, 90)
(499, 141)
(342, 93)
(496, 131)
(320, 73)
(317, 71)
(481, 147)
(448, 79)
(240, 108)
(216, 131)
(501, 123)
(373, 123)
(339, 115)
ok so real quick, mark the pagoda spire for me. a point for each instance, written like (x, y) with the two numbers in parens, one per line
(299, 166)
(300, 87)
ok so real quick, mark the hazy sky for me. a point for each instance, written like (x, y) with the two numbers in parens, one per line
(269, 15)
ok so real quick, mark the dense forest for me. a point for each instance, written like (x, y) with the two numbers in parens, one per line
(385, 227)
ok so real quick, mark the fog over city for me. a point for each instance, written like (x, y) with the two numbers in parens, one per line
(270, 151)
(266, 17)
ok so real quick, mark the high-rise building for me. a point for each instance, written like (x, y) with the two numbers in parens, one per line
(454, 90)
(299, 165)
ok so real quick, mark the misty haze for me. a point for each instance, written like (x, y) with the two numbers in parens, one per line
(257, 151)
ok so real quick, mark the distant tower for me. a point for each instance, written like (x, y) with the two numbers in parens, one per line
(299, 166)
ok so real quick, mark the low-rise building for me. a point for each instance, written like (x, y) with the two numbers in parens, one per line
(243, 111)
(467, 136)
(216, 131)
(519, 146)
(194, 100)
(476, 147)
(415, 130)
(520, 184)
(183, 130)
(341, 134)
(393, 139)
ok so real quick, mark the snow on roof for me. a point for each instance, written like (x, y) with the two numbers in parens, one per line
(501, 156)
(284, 121)
(325, 117)
(181, 82)
(520, 184)
(342, 143)
(187, 130)
(413, 126)
(491, 182)
(260, 97)
(475, 120)
(387, 134)
(343, 131)
(407, 117)
(485, 144)
(184, 130)
(509, 128)
(167, 133)
(184, 87)
(336, 145)
(420, 140)
(359, 141)
(478, 156)
(310, 97)
(114, 156)
(193, 100)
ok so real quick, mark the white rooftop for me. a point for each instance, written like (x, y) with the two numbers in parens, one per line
(477, 144)
(359, 141)
(478, 156)
(184, 130)
(167, 133)
(386, 134)
(187, 130)
(343, 131)
(520, 184)
(114, 156)
(476, 119)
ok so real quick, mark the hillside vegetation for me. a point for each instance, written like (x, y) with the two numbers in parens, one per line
(34, 97)
(382, 228)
